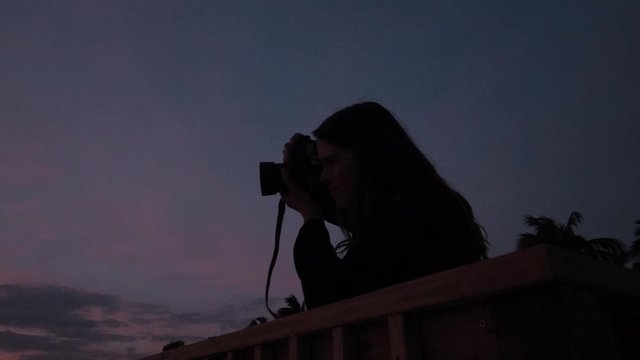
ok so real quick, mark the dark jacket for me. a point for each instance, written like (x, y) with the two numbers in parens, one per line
(415, 236)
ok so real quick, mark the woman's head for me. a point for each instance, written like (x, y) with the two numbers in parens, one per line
(369, 162)
(384, 160)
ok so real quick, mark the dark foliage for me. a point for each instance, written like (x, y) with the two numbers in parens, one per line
(173, 345)
(548, 231)
(257, 321)
(293, 307)
(634, 253)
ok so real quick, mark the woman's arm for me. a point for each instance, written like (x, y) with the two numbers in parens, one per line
(410, 240)
(317, 264)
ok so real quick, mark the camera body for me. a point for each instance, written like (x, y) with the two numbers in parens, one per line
(304, 167)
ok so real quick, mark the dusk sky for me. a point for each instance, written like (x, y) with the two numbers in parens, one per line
(131, 132)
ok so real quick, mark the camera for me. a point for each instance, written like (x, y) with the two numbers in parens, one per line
(304, 167)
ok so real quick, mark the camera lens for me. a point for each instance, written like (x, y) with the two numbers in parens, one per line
(270, 179)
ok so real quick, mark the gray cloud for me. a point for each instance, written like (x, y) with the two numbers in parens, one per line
(15, 342)
(49, 347)
(52, 308)
(67, 332)
(112, 323)
(58, 311)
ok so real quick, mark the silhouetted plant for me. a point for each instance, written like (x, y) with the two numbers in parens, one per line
(548, 231)
(257, 321)
(173, 345)
(634, 253)
(293, 306)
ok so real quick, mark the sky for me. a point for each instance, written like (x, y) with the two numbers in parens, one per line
(131, 132)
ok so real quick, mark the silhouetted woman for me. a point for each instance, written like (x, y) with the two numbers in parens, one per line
(402, 220)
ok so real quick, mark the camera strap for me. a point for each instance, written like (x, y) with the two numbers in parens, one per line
(274, 257)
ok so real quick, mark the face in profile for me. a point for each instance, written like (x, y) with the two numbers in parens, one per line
(338, 172)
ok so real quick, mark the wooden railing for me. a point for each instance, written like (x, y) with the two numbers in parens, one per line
(542, 303)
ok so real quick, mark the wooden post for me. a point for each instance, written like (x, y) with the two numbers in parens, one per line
(298, 348)
(258, 352)
(338, 343)
(343, 343)
(398, 342)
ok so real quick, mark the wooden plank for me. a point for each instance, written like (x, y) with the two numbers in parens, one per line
(397, 337)
(298, 348)
(320, 345)
(553, 323)
(258, 352)
(588, 331)
(338, 343)
(373, 340)
(294, 351)
(344, 346)
(570, 267)
(463, 332)
(280, 350)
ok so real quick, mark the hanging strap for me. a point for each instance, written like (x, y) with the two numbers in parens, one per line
(274, 257)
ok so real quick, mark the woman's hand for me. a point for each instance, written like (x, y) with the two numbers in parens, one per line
(297, 198)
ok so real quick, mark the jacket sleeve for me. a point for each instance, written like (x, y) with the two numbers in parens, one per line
(413, 242)
(316, 263)
(326, 278)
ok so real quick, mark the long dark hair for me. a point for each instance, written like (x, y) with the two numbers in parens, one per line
(389, 165)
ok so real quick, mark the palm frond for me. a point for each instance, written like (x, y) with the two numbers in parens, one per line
(574, 219)
(546, 228)
(293, 306)
(293, 303)
(635, 248)
(527, 240)
(634, 251)
(608, 249)
(257, 321)
(548, 231)
(539, 222)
